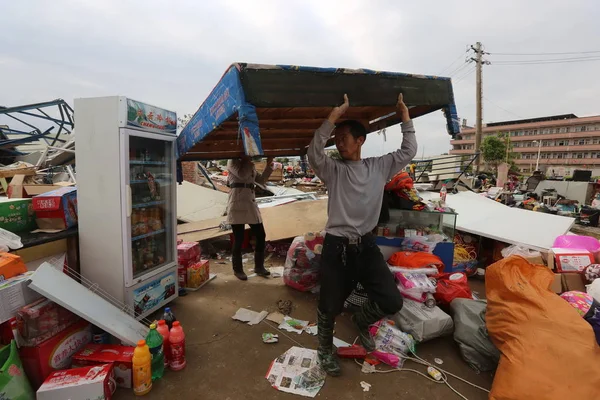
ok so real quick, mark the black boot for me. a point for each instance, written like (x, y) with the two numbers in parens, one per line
(238, 268)
(327, 358)
(369, 314)
(259, 264)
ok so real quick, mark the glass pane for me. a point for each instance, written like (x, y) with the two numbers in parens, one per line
(151, 180)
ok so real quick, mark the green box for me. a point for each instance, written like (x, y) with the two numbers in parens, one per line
(17, 215)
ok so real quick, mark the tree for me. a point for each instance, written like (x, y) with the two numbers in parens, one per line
(334, 154)
(494, 151)
(283, 160)
(223, 162)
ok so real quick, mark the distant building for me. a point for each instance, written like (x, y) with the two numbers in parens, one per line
(567, 142)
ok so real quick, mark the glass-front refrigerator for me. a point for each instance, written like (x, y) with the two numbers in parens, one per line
(126, 179)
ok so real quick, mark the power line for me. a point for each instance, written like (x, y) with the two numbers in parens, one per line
(500, 107)
(453, 62)
(566, 61)
(545, 54)
(460, 69)
(458, 79)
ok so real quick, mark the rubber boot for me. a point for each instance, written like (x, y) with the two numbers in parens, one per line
(327, 357)
(369, 314)
(238, 268)
(259, 264)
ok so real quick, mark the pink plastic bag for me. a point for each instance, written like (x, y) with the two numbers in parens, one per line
(577, 242)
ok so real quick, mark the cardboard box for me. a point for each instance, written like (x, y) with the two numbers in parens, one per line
(56, 210)
(55, 353)
(94, 382)
(41, 320)
(15, 188)
(11, 265)
(37, 189)
(120, 356)
(197, 274)
(188, 251)
(14, 294)
(556, 286)
(569, 260)
(572, 282)
(17, 215)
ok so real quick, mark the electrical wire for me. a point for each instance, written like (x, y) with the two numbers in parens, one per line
(464, 76)
(545, 54)
(453, 62)
(550, 61)
(460, 69)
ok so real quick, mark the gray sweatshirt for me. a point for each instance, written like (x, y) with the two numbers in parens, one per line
(356, 187)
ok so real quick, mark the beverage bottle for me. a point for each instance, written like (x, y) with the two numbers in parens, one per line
(443, 192)
(163, 329)
(169, 317)
(155, 343)
(142, 372)
(177, 341)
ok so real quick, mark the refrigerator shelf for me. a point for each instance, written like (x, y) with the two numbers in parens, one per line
(136, 181)
(158, 232)
(149, 204)
(140, 162)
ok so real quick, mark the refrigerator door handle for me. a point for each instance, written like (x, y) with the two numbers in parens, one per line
(129, 205)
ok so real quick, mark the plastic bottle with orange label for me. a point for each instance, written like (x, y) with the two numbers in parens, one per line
(142, 371)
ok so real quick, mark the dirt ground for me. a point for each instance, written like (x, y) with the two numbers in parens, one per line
(227, 360)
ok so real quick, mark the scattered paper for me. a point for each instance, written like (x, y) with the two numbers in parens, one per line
(297, 371)
(270, 338)
(340, 343)
(293, 325)
(276, 317)
(365, 386)
(249, 316)
(276, 272)
(438, 361)
(313, 330)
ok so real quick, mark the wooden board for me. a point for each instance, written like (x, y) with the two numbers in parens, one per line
(282, 222)
(9, 173)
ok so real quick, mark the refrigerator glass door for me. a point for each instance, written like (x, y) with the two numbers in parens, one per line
(149, 204)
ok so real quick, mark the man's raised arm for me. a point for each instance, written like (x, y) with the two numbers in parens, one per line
(319, 161)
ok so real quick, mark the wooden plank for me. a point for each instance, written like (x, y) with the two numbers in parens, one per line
(9, 173)
(282, 222)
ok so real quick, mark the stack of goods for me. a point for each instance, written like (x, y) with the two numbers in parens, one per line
(99, 354)
(301, 269)
(56, 210)
(94, 382)
(10, 266)
(401, 194)
(192, 271)
(41, 320)
(587, 307)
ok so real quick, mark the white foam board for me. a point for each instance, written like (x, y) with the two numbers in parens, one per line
(485, 217)
(197, 203)
(61, 289)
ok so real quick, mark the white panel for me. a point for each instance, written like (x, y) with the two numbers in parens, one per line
(485, 217)
(197, 203)
(61, 289)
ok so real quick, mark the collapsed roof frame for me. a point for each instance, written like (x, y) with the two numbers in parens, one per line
(37, 110)
(274, 110)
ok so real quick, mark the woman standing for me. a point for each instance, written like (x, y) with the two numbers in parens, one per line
(242, 209)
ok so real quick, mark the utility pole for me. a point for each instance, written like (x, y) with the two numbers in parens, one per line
(479, 94)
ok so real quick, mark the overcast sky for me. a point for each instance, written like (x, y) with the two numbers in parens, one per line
(171, 53)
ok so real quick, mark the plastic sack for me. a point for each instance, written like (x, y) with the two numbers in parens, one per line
(422, 322)
(548, 351)
(414, 286)
(9, 241)
(411, 259)
(13, 381)
(389, 339)
(577, 242)
(471, 335)
(301, 269)
(517, 250)
(582, 302)
(451, 286)
(593, 289)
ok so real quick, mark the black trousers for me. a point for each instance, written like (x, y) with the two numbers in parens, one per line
(258, 230)
(343, 265)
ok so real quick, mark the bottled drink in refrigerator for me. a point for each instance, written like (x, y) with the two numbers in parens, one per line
(169, 317)
(163, 329)
(142, 372)
(177, 341)
(155, 343)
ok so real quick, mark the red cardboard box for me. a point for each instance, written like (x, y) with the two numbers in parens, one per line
(188, 251)
(41, 320)
(94, 382)
(569, 260)
(55, 353)
(120, 356)
(56, 209)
